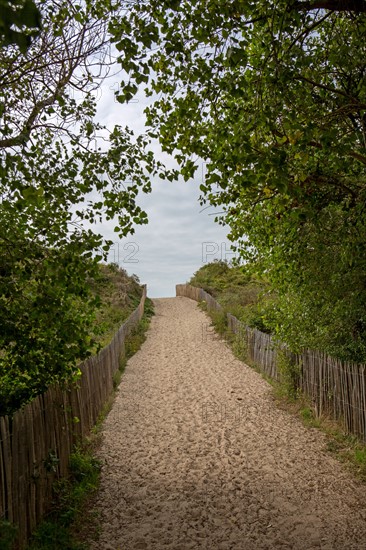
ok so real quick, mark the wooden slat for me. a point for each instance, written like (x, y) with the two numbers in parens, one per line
(6, 468)
(333, 386)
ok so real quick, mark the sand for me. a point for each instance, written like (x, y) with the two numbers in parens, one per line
(196, 455)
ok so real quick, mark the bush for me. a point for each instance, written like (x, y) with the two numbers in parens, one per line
(239, 292)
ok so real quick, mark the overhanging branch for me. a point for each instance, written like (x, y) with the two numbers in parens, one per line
(355, 6)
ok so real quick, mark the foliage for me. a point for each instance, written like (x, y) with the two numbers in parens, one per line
(46, 313)
(289, 372)
(70, 496)
(320, 276)
(56, 311)
(119, 295)
(61, 172)
(219, 321)
(20, 20)
(138, 335)
(240, 347)
(272, 97)
(8, 533)
(239, 291)
(54, 154)
(216, 276)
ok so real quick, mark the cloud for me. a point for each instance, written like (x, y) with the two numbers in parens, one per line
(174, 244)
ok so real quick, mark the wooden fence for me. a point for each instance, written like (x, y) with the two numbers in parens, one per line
(335, 387)
(35, 444)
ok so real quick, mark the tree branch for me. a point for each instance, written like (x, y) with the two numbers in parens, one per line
(322, 86)
(24, 135)
(359, 157)
(356, 6)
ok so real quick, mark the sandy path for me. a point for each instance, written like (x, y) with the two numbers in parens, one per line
(197, 456)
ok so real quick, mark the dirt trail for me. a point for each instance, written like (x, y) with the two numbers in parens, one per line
(196, 455)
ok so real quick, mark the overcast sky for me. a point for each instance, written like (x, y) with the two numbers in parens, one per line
(180, 236)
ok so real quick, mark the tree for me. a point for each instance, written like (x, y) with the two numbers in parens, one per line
(20, 21)
(60, 173)
(272, 96)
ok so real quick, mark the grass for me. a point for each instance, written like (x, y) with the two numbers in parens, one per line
(346, 448)
(119, 295)
(56, 532)
(243, 294)
(138, 335)
(8, 533)
(72, 518)
(219, 322)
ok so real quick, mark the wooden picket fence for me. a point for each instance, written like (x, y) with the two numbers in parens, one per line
(35, 444)
(335, 387)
